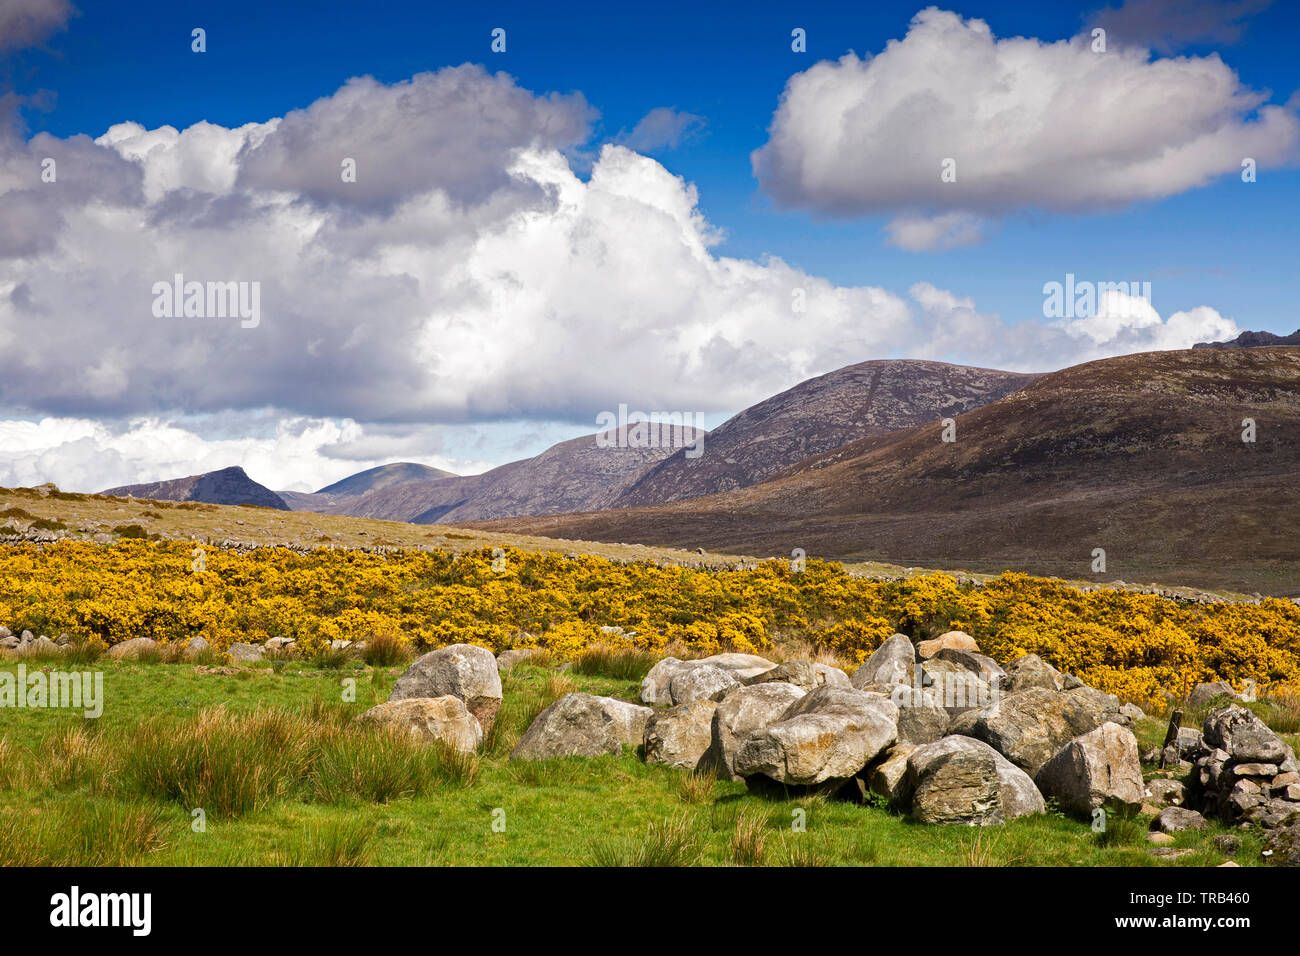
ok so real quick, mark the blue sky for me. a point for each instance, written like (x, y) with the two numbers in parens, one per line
(396, 328)
(1225, 246)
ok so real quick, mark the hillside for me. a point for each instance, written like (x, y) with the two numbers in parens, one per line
(229, 486)
(363, 482)
(817, 416)
(1141, 455)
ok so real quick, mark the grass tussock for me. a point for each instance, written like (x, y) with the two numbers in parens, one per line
(675, 841)
(83, 832)
(388, 650)
(381, 765)
(749, 841)
(619, 663)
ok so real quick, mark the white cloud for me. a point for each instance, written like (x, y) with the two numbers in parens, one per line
(924, 233)
(1027, 124)
(25, 23)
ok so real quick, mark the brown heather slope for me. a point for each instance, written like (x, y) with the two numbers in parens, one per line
(1140, 455)
(817, 416)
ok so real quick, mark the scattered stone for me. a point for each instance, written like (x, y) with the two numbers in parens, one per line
(681, 736)
(583, 725)
(509, 660)
(1227, 844)
(1177, 819)
(956, 640)
(1097, 769)
(280, 645)
(126, 650)
(466, 671)
(444, 719)
(740, 713)
(1171, 853)
(1161, 839)
(964, 780)
(829, 734)
(1282, 846)
(242, 653)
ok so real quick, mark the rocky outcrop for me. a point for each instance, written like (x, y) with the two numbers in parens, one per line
(1245, 772)
(461, 670)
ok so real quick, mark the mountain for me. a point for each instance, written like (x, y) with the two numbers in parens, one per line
(1141, 455)
(818, 416)
(575, 475)
(229, 486)
(1253, 340)
(363, 482)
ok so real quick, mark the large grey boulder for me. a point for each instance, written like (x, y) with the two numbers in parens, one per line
(1098, 769)
(887, 777)
(963, 780)
(1202, 694)
(242, 653)
(656, 688)
(890, 664)
(957, 688)
(740, 713)
(1244, 737)
(466, 671)
(922, 719)
(583, 725)
(701, 683)
(681, 736)
(829, 734)
(444, 719)
(195, 647)
(1029, 727)
(806, 675)
(973, 661)
(1031, 671)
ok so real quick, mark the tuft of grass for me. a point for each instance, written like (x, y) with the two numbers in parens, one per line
(329, 658)
(74, 758)
(378, 765)
(619, 663)
(388, 650)
(1122, 831)
(671, 842)
(697, 787)
(749, 841)
(338, 844)
(83, 832)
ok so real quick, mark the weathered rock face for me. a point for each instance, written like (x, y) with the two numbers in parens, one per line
(830, 734)
(1245, 771)
(461, 670)
(957, 688)
(508, 660)
(701, 683)
(921, 718)
(126, 650)
(1031, 671)
(956, 640)
(742, 712)
(681, 736)
(963, 780)
(1029, 727)
(656, 688)
(973, 661)
(445, 719)
(1283, 845)
(806, 675)
(1098, 769)
(890, 664)
(583, 725)
(245, 653)
(1163, 792)
(888, 776)
(1202, 694)
(1176, 819)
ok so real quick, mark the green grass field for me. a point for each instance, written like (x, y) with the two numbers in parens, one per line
(268, 754)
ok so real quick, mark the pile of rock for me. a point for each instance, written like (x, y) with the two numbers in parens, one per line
(1244, 772)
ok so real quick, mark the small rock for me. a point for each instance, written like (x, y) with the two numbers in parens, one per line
(956, 640)
(1177, 819)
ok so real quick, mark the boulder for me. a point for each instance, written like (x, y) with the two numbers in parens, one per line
(1133, 712)
(1282, 846)
(583, 725)
(126, 650)
(1029, 727)
(892, 663)
(42, 645)
(242, 653)
(508, 660)
(194, 647)
(1202, 694)
(1244, 737)
(827, 735)
(973, 661)
(1032, 671)
(1164, 792)
(806, 675)
(445, 719)
(921, 718)
(1177, 819)
(956, 640)
(656, 687)
(957, 688)
(705, 682)
(1097, 769)
(963, 780)
(281, 645)
(466, 671)
(681, 736)
(742, 712)
(887, 777)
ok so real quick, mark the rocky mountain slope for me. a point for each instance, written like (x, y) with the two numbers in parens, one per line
(1141, 455)
(229, 486)
(1252, 340)
(817, 416)
(363, 482)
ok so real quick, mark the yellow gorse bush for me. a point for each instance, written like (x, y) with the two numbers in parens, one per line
(1131, 644)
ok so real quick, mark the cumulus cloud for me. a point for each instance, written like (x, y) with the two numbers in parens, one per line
(25, 23)
(1016, 122)
(491, 285)
(1168, 25)
(662, 128)
(923, 233)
